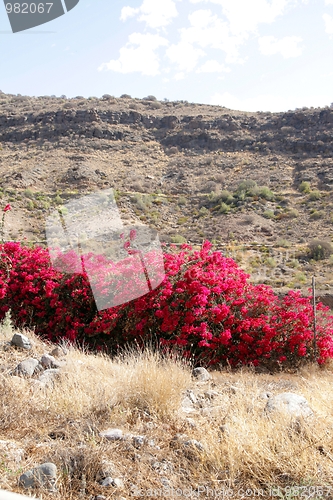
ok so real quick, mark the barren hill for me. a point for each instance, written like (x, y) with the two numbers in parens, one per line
(260, 183)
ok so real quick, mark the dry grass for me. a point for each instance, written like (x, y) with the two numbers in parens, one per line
(141, 393)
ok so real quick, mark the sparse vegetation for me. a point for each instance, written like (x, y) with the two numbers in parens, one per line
(320, 249)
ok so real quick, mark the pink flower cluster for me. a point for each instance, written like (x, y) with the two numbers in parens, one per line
(205, 308)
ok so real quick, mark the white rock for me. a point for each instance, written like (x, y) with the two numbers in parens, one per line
(112, 434)
(290, 403)
(201, 374)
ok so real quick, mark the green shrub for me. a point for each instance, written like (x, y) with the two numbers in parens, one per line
(203, 211)
(270, 261)
(265, 192)
(300, 277)
(58, 200)
(269, 214)
(319, 249)
(304, 187)
(28, 193)
(315, 215)
(282, 242)
(246, 186)
(182, 200)
(178, 239)
(314, 195)
(224, 208)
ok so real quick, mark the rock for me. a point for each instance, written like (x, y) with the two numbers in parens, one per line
(48, 377)
(201, 374)
(290, 403)
(112, 434)
(42, 476)
(212, 411)
(12, 452)
(26, 368)
(48, 361)
(187, 405)
(265, 395)
(58, 352)
(21, 341)
(211, 394)
(138, 441)
(194, 443)
(115, 482)
(191, 422)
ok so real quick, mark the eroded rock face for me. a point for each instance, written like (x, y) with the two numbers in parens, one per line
(296, 131)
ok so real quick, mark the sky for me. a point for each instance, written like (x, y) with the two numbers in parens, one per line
(249, 55)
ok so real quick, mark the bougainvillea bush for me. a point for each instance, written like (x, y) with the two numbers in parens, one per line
(205, 307)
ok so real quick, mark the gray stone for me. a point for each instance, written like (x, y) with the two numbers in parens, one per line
(290, 403)
(112, 434)
(194, 443)
(48, 361)
(42, 476)
(115, 482)
(201, 374)
(21, 341)
(48, 377)
(138, 441)
(211, 394)
(26, 368)
(58, 352)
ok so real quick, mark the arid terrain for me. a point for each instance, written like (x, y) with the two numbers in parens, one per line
(179, 168)
(260, 187)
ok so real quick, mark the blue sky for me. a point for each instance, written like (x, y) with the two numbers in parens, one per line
(251, 55)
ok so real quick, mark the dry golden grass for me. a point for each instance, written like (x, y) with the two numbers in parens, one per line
(141, 393)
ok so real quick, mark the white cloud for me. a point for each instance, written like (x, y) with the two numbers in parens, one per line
(209, 31)
(328, 20)
(127, 12)
(155, 13)
(244, 16)
(185, 55)
(138, 55)
(287, 46)
(328, 2)
(212, 66)
(179, 76)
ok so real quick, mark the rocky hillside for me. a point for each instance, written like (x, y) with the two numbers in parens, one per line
(259, 185)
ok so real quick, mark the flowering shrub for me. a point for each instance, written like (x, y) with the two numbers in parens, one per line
(204, 307)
